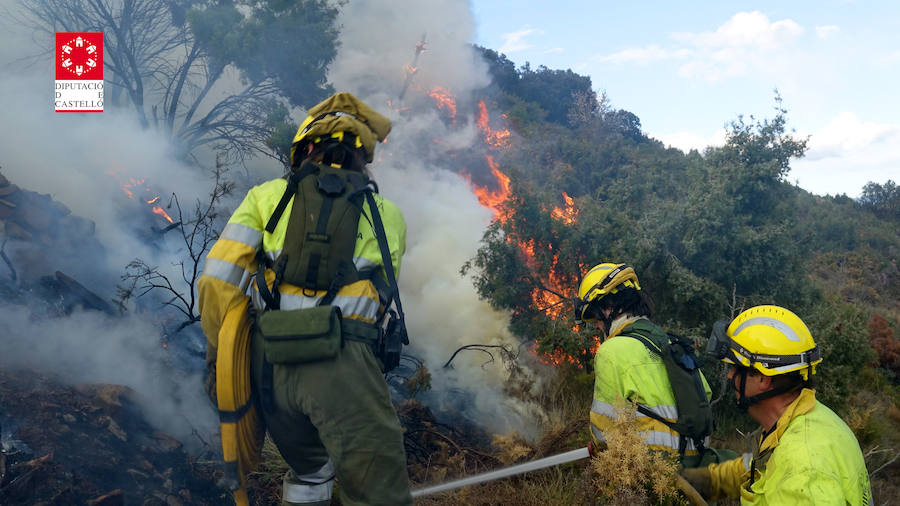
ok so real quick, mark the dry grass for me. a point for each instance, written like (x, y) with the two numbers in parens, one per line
(627, 472)
(265, 484)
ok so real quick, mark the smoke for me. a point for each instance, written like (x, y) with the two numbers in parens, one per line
(415, 170)
(82, 161)
(89, 347)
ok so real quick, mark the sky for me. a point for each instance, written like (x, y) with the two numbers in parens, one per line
(687, 69)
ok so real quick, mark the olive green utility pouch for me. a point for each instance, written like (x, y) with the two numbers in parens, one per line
(301, 335)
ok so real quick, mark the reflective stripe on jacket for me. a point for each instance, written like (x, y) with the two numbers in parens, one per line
(626, 371)
(231, 262)
(811, 457)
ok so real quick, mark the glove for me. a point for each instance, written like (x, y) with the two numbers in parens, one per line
(699, 478)
(594, 449)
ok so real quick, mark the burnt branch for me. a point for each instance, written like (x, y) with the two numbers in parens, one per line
(7, 261)
(198, 232)
(504, 350)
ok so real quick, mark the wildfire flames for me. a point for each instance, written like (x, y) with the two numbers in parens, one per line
(135, 184)
(492, 199)
(496, 139)
(551, 297)
(445, 100)
(568, 213)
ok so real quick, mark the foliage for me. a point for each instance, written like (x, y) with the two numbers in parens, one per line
(696, 228)
(555, 92)
(841, 332)
(886, 345)
(290, 43)
(882, 199)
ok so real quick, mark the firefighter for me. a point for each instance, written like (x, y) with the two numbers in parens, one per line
(803, 453)
(328, 417)
(628, 366)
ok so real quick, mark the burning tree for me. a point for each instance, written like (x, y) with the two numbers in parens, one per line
(164, 59)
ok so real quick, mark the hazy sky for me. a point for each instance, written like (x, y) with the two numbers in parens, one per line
(687, 68)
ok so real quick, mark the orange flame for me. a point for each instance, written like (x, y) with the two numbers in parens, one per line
(158, 210)
(444, 99)
(492, 199)
(567, 214)
(496, 139)
(551, 297)
(132, 185)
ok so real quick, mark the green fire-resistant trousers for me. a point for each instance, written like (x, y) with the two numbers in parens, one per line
(339, 408)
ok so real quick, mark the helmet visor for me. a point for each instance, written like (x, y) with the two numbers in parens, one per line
(719, 345)
(586, 311)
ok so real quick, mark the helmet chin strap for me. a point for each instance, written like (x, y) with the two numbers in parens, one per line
(745, 402)
(607, 321)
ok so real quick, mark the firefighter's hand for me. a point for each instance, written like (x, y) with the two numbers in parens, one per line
(699, 478)
(595, 448)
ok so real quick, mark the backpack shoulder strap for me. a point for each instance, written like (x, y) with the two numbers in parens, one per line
(643, 331)
(381, 236)
(289, 191)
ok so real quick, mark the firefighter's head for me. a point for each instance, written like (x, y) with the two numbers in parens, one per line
(770, 351)
(609, 290)
(341, 130)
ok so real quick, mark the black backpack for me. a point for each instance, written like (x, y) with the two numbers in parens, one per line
(695, 420)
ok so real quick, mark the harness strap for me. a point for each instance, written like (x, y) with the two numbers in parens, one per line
(289, 192)
(393, 293)
(335, 285)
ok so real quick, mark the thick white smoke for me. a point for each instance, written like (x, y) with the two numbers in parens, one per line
(445, 221)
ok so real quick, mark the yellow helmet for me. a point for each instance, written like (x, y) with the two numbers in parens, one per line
(342, 117)
(770, 339)
(601, 280)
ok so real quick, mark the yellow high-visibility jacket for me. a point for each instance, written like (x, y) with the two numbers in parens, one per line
(626, 371)
(811, 457)
(231, 262)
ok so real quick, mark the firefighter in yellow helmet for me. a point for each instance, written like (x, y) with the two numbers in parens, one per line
(324, 399)
(628, 366)
(803, 453)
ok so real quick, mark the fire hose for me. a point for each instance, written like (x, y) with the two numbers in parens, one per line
(553, 460)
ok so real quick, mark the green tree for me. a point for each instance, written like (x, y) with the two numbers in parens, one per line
(735, 228)
(882, 199)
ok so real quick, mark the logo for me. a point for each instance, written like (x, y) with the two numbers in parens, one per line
(79, 72)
